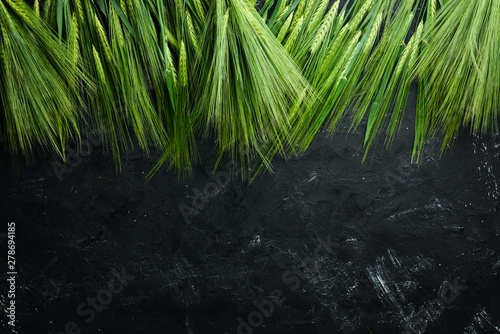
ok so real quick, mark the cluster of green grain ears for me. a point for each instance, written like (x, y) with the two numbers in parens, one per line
(255, 78)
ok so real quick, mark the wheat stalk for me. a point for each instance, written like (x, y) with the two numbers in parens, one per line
(255, 26)
(343, 62)
(183, 75)
(297, 13)
(402, 59)
(308, 8)
(117, 28)
(361, 14)
(407, 49)
(351, 51)
(4, 16)
(293, 36)
(283, 12)
(418, 38)
(199, 9)
(103, 38)
(73, 41)
(373, 33)
(123, 6)
(496, 14)
(409, 19)
(36, 7)
(220, 5)
(79, 9)
(300, 7)
(100, 70)
(47, 11)
(334, 48)
(284, 28)
(192, 33)
(225, 22)
(341, 20)
(318, 15)
(20, 10)
(3, 59)
(5, 38)
(131, 11)
(325, 26)
(179, 6)
(170, 62)
(432, 10)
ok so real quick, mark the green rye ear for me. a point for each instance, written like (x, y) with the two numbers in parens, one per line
(38, 91)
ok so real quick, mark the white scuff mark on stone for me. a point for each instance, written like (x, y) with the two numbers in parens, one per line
(255, 241)
(312, 177)
(435, 206)
(486, 172)
(482, 323)
(394, 259)
(383, 284)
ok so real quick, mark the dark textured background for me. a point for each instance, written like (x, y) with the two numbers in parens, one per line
(399, 233)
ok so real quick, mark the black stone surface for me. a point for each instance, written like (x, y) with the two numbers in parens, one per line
(325, 244)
